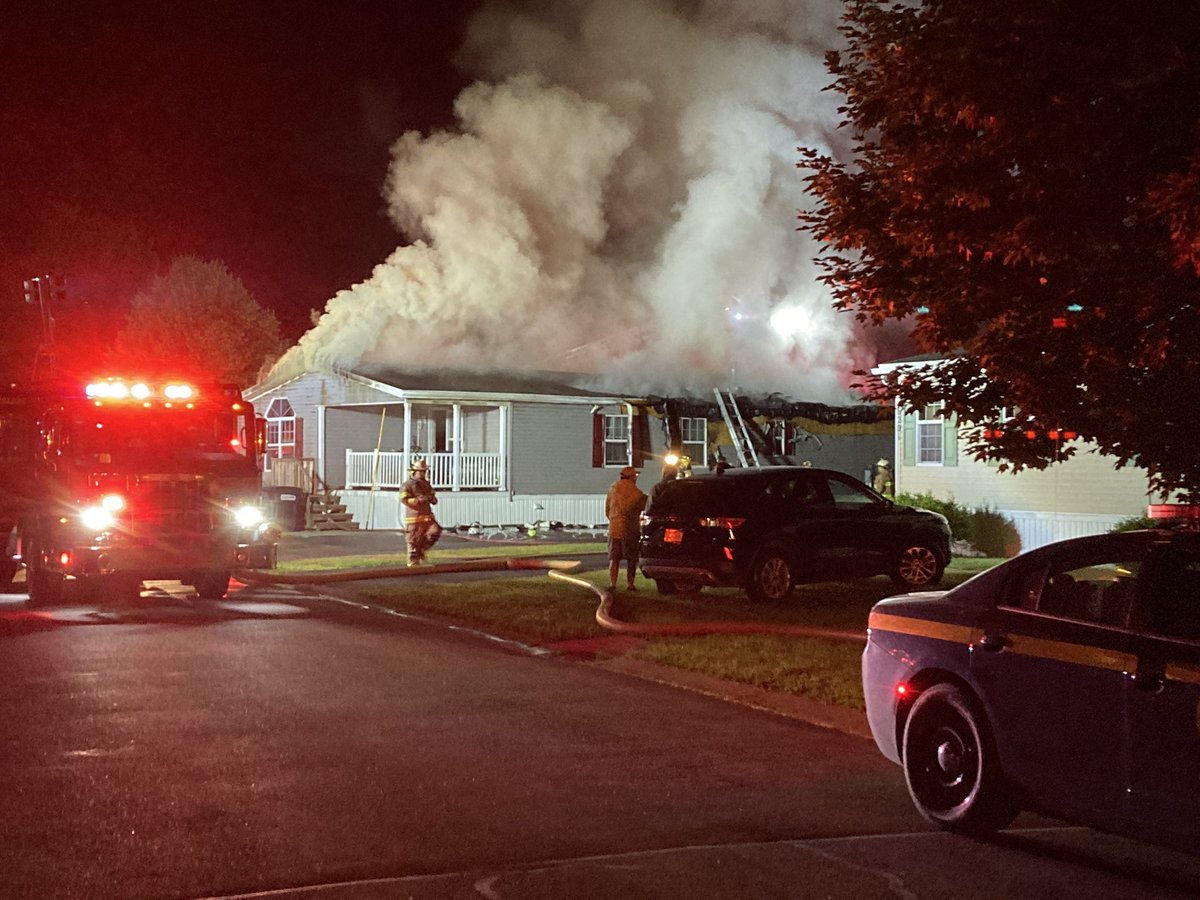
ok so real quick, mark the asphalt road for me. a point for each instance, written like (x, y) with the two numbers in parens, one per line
(281, 744)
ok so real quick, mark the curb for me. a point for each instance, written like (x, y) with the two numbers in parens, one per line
(825, 715)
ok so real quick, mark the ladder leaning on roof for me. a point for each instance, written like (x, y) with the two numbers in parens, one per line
(739, 431)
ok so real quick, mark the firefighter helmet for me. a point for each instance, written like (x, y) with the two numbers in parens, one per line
(419, 465)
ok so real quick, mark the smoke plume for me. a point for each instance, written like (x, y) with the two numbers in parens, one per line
(619, 197)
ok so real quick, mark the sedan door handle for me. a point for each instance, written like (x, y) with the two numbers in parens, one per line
(993, 642)
(1150, 682)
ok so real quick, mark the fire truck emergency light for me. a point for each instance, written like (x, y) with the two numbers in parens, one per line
(116, 389)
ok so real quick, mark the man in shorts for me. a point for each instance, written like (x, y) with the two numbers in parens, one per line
(623, 506)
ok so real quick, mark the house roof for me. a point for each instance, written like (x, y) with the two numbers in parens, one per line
(553, 384)
(448, 382)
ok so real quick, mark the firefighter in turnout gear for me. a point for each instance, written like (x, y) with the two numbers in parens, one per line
(421, 529)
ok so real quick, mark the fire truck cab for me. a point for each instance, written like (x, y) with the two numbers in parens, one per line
(113, 482)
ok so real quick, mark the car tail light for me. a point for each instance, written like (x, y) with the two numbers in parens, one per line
(722, 522)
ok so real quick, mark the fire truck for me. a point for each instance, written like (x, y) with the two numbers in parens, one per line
(110, 482)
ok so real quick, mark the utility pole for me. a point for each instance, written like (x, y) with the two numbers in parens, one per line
(45, 291)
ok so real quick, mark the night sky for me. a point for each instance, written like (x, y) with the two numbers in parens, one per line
(256, 133)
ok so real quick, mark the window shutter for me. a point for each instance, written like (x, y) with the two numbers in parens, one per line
(640, 438)
(597, 440)
(299, 451)
(908, 428)
(950, 442)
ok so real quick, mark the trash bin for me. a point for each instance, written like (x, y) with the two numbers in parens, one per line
(286, 507)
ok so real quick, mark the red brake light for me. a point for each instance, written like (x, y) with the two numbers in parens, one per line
(902, 690)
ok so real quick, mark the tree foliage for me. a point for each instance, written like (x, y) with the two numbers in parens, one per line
(198, 320)
(1025, 190)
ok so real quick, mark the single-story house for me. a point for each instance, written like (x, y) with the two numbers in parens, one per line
(1084, 494)
(508, 448)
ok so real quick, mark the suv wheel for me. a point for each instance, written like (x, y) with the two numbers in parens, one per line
(917, 566)
(771, 576)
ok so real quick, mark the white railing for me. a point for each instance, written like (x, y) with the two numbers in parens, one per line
(385, 469)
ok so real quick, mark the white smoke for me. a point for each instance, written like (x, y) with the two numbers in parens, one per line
(619, 198)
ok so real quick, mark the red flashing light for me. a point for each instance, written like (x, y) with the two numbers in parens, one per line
(1052, 434)
(64, 559)
(1070, 435)
(235, 443)
(1059, 322)
(1031, 434)
(902, 690)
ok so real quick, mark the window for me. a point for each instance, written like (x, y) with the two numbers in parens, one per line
(847, 496)
(1098, 587)
(930, 431)
(694, 434)
(616, 440)
(281, 430)
(1175, 594)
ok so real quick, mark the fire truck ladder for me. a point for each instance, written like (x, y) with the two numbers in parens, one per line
(739, 432)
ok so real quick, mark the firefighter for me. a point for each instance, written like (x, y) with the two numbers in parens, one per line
(623, 506)
(421, 529)
(883, 477)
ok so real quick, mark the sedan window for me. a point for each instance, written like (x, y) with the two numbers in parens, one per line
(1174, 595)
(1099, 587)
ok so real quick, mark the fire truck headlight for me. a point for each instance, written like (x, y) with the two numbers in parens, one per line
(97, 518)
(248, 516)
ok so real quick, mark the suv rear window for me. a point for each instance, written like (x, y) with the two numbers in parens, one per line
(715, 497)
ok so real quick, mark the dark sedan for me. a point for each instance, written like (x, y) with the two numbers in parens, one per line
(769, 529)
(1066, 680)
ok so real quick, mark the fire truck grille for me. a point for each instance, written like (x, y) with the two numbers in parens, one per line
(171, 507)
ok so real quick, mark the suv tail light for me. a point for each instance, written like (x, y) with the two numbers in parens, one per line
(722, 522)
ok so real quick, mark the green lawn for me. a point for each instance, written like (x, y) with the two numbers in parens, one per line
(545, 610)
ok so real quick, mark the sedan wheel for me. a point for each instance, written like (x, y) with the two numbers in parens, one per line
(917, 567)
(950, 765)
(771, 577)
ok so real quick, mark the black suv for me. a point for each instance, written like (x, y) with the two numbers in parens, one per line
(769, 529)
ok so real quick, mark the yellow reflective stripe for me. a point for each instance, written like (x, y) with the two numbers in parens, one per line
(1183, 672)
(1022, 645)
(1079, 654)
(958, 634)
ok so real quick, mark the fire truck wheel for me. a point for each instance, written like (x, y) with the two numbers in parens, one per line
(213, 584)
(45, 587)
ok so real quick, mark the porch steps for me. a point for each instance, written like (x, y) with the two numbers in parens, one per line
(327, 513)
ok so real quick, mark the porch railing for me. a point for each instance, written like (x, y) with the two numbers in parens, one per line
(475, 470)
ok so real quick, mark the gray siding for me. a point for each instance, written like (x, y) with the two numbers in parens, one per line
(310, 392)
(357, 428)
(552, 451)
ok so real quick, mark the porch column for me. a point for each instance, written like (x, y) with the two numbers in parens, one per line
(456, 465)
(407, 440)
(320, 464)
(505, 446)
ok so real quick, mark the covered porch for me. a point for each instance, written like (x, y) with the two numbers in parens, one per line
(465, 446)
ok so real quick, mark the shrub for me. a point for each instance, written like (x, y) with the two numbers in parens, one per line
(994, 534)
(959, 517)
(1135, 523)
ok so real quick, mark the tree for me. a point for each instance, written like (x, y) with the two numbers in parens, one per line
(1025, 190)
(198, 319)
